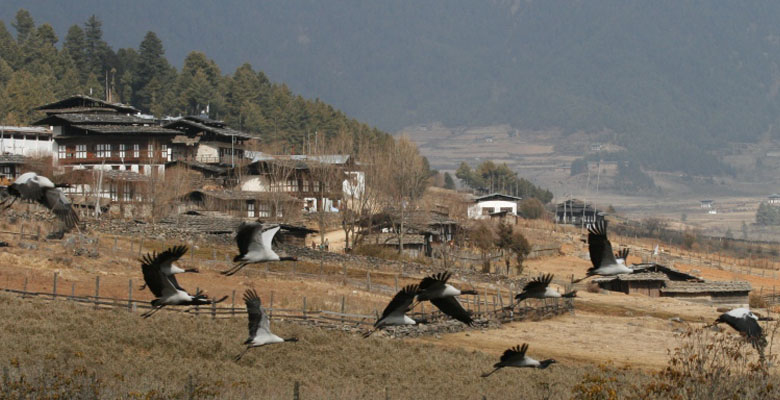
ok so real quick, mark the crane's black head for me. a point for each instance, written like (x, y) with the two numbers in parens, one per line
(546, 363)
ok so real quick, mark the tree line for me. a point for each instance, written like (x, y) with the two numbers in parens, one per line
(35, 71)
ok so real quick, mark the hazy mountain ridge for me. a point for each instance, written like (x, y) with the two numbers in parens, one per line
(674, 79)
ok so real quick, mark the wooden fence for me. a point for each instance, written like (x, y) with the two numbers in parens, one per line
(480, 306)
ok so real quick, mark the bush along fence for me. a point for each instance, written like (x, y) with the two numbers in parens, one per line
(485, 311)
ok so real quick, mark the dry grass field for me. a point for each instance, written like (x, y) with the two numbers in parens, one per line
(612, 346)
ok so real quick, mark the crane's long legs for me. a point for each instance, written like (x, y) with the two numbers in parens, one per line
(235, 269)
(238, 357)
(151, 312)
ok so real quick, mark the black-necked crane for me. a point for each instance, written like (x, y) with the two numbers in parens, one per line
(434, 288)
(395, 312)
(746, 323)
(539, 288)
(38, 188)
(601, 256)
(516, 357)
(254, 245)
(164, 286)
(167, 260)
(259, 325)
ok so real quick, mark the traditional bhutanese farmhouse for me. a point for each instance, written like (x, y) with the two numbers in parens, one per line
(91, 133)
(657, 280)
(241, 204)
(576, 212)
(10, 167)
(495, 203)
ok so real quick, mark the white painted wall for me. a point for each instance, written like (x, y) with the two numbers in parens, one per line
(475, 210)
(207, 152)
(255, 184)
(30, 145)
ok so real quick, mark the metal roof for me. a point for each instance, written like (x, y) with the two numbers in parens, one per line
(127, 129)
(706, 287)
(93, 118)
(81, 100)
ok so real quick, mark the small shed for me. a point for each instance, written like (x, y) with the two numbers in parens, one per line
(485, 206)
(647, 283)
(735, 293)
(293, 234)
(414, 245)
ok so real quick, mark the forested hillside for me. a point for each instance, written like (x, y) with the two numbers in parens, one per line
(672, 80)
(36, 69)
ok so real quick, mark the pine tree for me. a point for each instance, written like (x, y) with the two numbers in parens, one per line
(75, 47)
(449, 183)
(94, 47)
(24, 25)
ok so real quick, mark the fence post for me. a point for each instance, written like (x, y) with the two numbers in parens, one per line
(233, 304)
(129, 295)
(97, 290)
(54, 287)
(271, 306)
(296, 391)
(304, 307)
(343, 307)
(368, 281)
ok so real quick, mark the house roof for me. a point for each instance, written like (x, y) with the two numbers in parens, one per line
(706, 287)
(90, 118)
(640, 276)
(204, 224)
(30, 130)
(185, 124)
(392, 239)
(497, 196)
(774, 196)
(117, 175)
(81, 102)
(198, 165)
(127, 129)
(228, 195)
(9, 158)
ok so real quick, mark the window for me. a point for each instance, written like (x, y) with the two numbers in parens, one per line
(250, 210)
(103, 151)
(136, 150)
(305, 185)
(81, 151)
(61, 151)
(112, 190)
(150, 152)
(127, 193)
(315, 186)
(264, 210)
(291, 186)
(164, 152)
(122, 150)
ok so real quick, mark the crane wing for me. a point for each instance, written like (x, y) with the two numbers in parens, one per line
(599, 247)
(514, 353)
(435, 281)
(156, 262)
(267, 235)
(257, 318)
(55, 200)
(452, 307)
(401, 301)
(245, 235)
(538, 284)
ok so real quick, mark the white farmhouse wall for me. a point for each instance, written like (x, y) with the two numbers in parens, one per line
(255, 184)
(476, 210)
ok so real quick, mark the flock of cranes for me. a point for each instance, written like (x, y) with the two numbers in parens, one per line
(254, 241)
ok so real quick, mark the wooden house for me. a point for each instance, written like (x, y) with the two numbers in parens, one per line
(91, 133)
(10, 167)
(318, 181)
(657, 280)
(240, 204)
(576, 212)
(207, 141)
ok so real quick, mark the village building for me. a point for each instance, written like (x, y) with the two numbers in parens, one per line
(576, 212)
(241, 204)
(30, 141)
(318, 181)
(495, 203)
(774, 198)
(657, 280)
(90, 133)
(706, 204)
(10, 167)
